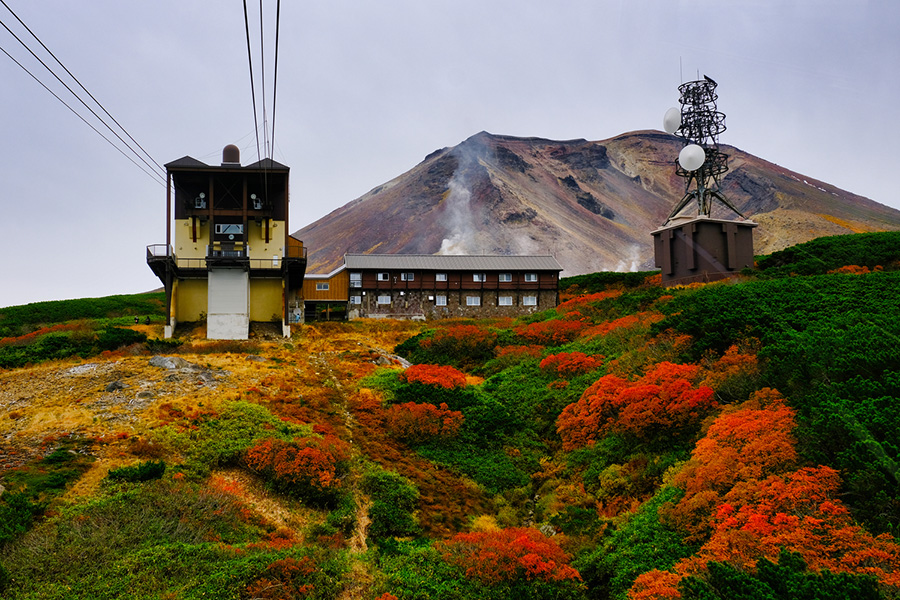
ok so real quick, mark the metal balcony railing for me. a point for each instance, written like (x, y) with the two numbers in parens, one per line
(157, 252)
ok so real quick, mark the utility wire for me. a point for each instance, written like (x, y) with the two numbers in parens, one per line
(252, 86)
(155, 176)
(275, 82)
(262, 76)
(77, 97)
(59, 62)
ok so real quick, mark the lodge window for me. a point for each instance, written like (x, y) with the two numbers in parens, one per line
(505, 277)
(473, 301)
(384, 299)
(384, 277)
(531, 277)
(479, 277)
(504, 301)
(407, 276)
(355, 299)
(356, 280)
(440, 277)
(321, 287)
(440, 300)
(529, 300)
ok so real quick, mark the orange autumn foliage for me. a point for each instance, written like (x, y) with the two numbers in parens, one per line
(418, 423)
(506, 555)
(664, 398)
(441, 376)
(745, 499)
(654, 585)
(798, 511)
(747, 442)
(731, 365)
(569, 364)
(855, 270)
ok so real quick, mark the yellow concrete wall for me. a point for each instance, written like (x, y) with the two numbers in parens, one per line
(185, 247)
(190, 299)
(256, 238)
(266, 299)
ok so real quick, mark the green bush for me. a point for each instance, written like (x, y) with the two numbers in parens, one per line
(824, 254)
(386, 381)
(144, 471)
(19, 320)
(639, 545)
(394, 500)
(597, 282)
(788, 579)
(17, 513)
(341, 519)
(222, 440)
(116, 337)
(142, 542)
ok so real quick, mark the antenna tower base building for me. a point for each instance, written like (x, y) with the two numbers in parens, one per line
(702, 249)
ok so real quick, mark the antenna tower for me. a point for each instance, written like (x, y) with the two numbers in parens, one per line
(698, 123)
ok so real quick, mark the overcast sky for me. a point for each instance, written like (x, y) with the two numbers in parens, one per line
(366, 89)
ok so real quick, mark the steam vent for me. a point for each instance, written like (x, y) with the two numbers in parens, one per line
(697, 248)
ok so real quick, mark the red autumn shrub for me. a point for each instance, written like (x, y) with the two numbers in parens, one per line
(550, 333)
(641, 319)
(418, 423)
(581, 302)
(81, 327)
(508, 555)
(664, 399)
(307, 466)
(441, 376)
(569, 364)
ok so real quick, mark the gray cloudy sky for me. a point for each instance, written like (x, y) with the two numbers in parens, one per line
(366, 89)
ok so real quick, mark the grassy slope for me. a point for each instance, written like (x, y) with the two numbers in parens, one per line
(210, 527)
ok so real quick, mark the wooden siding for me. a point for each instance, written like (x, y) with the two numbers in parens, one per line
(338, 288)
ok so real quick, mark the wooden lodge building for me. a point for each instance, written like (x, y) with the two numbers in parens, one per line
(229, 260)
(430, 286)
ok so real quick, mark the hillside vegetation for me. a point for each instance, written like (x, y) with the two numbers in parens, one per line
(730, 440)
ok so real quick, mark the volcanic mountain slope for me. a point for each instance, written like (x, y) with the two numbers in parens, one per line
(590, 204)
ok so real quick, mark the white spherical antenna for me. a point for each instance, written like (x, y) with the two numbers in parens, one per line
(691, 157)
(672, 120)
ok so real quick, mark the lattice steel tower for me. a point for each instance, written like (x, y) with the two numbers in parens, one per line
(700, 162)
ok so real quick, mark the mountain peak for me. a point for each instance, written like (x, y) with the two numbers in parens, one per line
(590, 204)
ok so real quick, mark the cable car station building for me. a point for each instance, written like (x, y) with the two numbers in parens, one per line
(228, 257)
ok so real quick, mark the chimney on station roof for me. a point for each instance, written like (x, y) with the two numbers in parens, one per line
(231, 156)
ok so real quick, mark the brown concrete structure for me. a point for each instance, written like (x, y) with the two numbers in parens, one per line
(702, 249)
